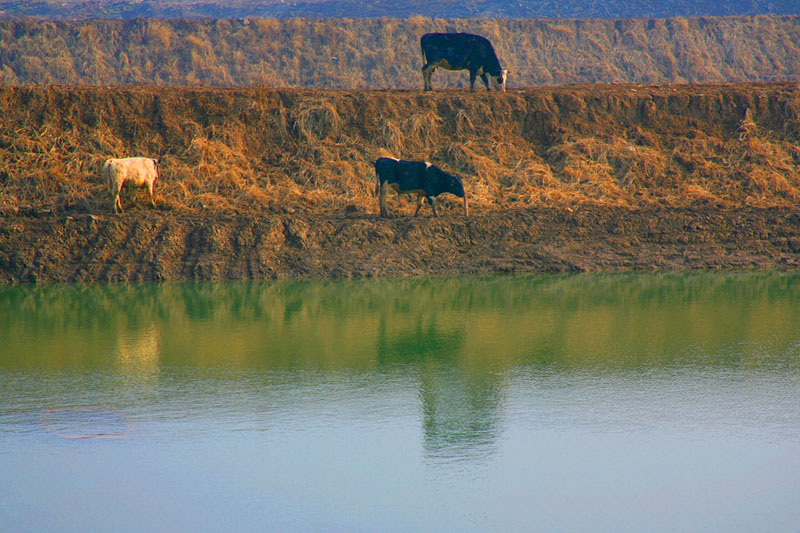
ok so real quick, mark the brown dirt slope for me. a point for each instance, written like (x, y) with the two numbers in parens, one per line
(279, 183)
(168, 247)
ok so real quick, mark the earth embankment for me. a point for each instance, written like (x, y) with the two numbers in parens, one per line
(278, 183)
(166, 247)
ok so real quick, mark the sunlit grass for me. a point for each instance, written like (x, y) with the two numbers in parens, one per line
(237, 150)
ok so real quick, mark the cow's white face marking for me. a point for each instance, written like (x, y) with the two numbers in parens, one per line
(499, 82)
(427, 164)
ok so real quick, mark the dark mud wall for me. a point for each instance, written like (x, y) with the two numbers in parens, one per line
(164, 247)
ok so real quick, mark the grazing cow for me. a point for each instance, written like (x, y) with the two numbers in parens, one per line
(422, 178)
(130, 172)
(462, 51)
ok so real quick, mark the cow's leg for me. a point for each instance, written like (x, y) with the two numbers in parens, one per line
(432, 201)
(427, 72)
(419, 204)
(485, 80)
(472, 75)
(134, 193)
(117, 201)
(150, 191)
(382, 200)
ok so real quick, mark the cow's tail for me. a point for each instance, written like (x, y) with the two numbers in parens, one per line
(107, 174)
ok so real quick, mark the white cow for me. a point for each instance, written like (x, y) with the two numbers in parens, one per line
(130, 172)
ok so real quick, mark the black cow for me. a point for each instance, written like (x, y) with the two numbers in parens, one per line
(422, 178)
(462, 51)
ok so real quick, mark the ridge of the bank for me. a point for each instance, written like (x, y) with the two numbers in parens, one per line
(162, 246)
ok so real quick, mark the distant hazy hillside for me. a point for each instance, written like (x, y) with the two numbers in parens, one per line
(123, 9)
(385, 53)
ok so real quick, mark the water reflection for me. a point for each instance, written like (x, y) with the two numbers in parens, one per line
(461, 416)
(576, 382)
(140, 353)
(460, 409)
(455, 335)
(562, 322)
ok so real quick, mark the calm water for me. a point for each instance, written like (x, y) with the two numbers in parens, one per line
(545, 403)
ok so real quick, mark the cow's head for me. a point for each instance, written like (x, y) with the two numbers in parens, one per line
(452, 184)
(499, 82)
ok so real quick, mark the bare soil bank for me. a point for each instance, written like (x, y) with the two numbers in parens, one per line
(164, 246)
(279, 183)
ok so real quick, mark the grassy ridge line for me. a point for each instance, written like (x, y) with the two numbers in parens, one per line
(384, 53)
(80, 9)
(235, 150)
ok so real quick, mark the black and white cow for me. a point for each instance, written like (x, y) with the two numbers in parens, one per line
(462, 51)
(415, 177)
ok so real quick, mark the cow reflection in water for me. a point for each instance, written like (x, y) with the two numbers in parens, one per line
(460, 408)
(138, 351)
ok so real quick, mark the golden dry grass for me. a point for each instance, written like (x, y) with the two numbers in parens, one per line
(237, 150)
(385, 53)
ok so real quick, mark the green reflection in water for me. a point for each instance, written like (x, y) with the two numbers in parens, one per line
(478, 324)
(458, 340)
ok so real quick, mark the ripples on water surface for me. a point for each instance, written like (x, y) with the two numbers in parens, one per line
(541, 403)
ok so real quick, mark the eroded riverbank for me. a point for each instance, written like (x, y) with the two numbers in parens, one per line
(147, 245)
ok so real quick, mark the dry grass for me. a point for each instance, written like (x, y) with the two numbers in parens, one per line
(384, 53)
(239, 150)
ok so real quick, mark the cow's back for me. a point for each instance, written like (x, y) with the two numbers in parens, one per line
(407, 175)
(460, 50)
(410, 175)
(435, 45)
(130, 171)
(458, 41)
(384, 166)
